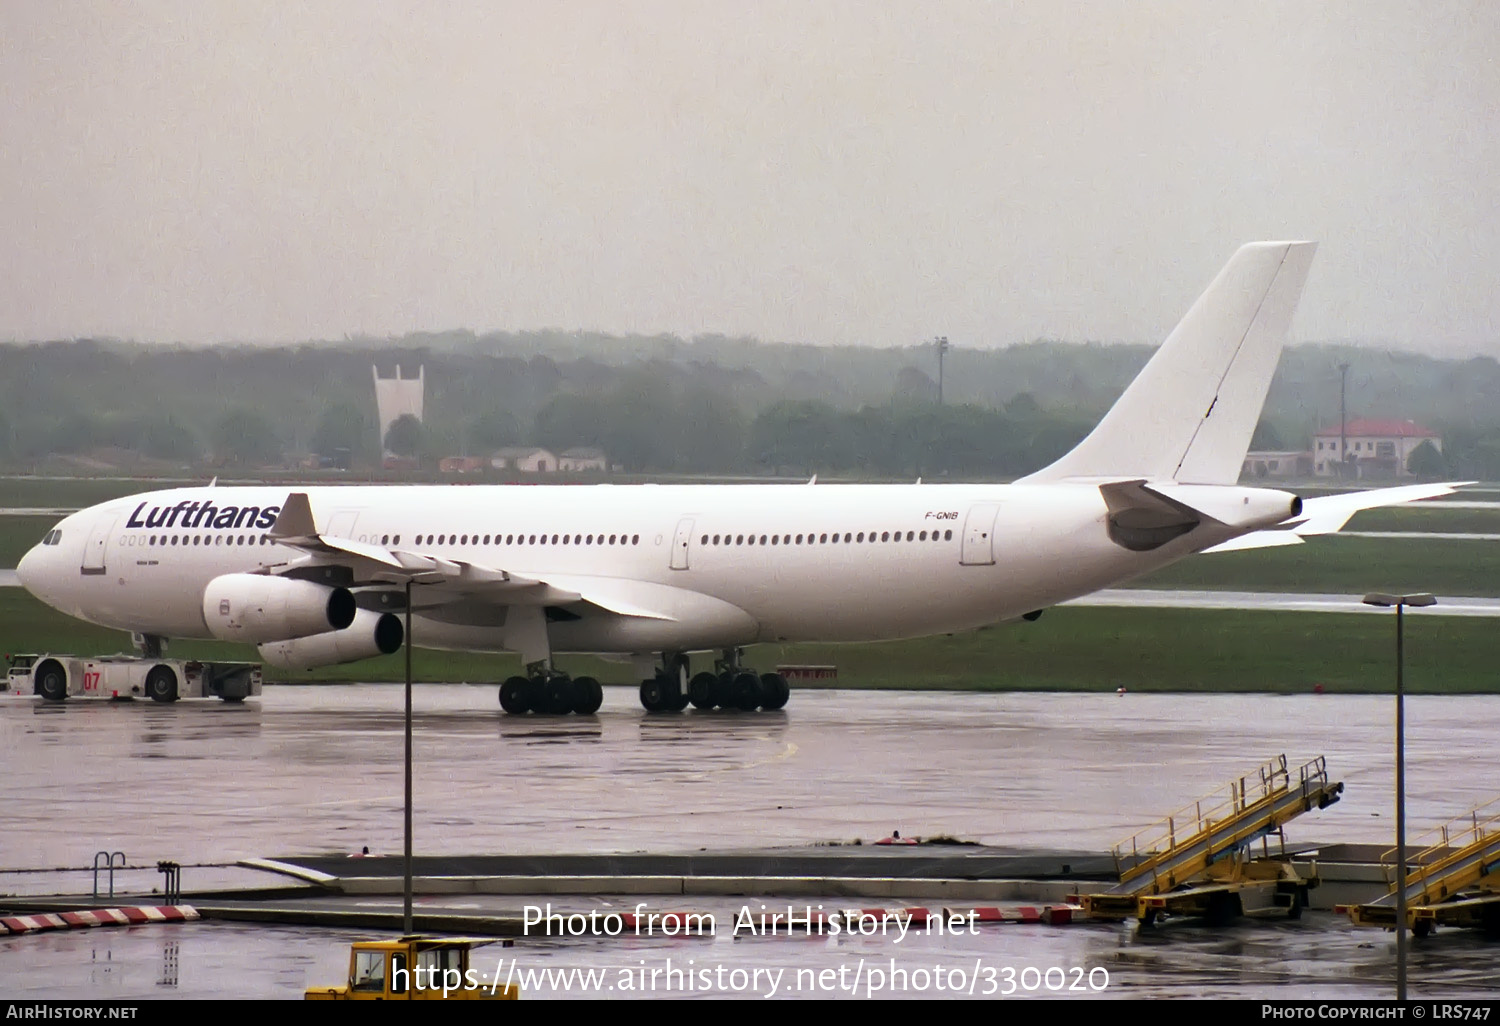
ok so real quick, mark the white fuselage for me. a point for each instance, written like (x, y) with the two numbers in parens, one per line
(725, 565)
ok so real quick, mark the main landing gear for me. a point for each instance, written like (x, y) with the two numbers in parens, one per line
(730, 686)
(549, 692)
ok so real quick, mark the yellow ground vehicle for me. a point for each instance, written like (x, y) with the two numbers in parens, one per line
(417, 968)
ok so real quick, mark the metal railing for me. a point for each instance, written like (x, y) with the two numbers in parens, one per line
(1450, 849)
(1234, 816)
(110, 866)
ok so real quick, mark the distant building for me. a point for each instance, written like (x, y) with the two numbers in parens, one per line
(1370, 448)
(582, 458)
(396, 397)
(460, 464)
(1278, 465)
(527, 459)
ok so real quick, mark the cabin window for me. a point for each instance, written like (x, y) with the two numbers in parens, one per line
(396, 540)
(635, 539)
(434, 963)
(947, 536)
(369, 970)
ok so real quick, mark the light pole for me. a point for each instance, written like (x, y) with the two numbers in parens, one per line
(1400, 602)
(406, 919)
(1343, 421)
(942, 347)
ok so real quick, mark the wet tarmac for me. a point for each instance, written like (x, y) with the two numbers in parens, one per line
(308, 770)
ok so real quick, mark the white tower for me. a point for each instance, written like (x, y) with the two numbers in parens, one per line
(396, 397)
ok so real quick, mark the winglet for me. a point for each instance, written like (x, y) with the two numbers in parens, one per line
(295, 519)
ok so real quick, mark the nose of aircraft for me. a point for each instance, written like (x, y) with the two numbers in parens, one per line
(26, 569)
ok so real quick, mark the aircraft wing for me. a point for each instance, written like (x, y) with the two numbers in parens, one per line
(447, 582)
(1327, 514)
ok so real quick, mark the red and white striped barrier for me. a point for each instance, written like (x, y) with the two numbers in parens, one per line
(132, 915)
(1052, 915)
(910, 916)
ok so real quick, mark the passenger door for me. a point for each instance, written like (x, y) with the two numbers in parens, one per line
(97, 546)
(682, 543)
(979, 535)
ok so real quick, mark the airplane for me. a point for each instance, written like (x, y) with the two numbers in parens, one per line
(316, 576)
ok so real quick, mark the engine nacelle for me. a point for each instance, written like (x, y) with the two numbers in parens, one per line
(371, 634)
(255, 608)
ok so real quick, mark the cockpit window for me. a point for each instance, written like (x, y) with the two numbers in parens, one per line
(53, 537)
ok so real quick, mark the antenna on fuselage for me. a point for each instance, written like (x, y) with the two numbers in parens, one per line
(213, 482)
(813, 480)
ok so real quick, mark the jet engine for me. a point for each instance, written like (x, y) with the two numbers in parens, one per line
(371, 634)
(256, 607)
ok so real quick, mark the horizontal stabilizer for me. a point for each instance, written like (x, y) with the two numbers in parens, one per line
(1327, 514)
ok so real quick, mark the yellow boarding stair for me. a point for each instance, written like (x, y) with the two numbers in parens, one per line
(1199, 860)
(1453, 879)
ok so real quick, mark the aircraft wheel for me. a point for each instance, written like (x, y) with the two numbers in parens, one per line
(587, 696)
(558, 696)
(51, 680)
(776, 691)
(515, 695)
(161, 684)
(653, 694)
(746, 691)
(701, 690)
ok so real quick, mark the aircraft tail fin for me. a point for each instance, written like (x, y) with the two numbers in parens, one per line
(1189, 414)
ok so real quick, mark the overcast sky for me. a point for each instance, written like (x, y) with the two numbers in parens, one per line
(852, 173)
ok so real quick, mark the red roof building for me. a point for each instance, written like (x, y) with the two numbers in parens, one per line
(1370, 448)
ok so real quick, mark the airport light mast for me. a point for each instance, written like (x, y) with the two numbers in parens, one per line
(1400, 602)
(941, 342)
(1343, 421)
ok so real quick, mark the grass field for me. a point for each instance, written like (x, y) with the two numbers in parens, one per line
(17, 534)
(1345, 566)
(1427, 517)
(1068, 649)
(70, 493)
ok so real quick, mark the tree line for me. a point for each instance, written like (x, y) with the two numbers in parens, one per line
(662, 404)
